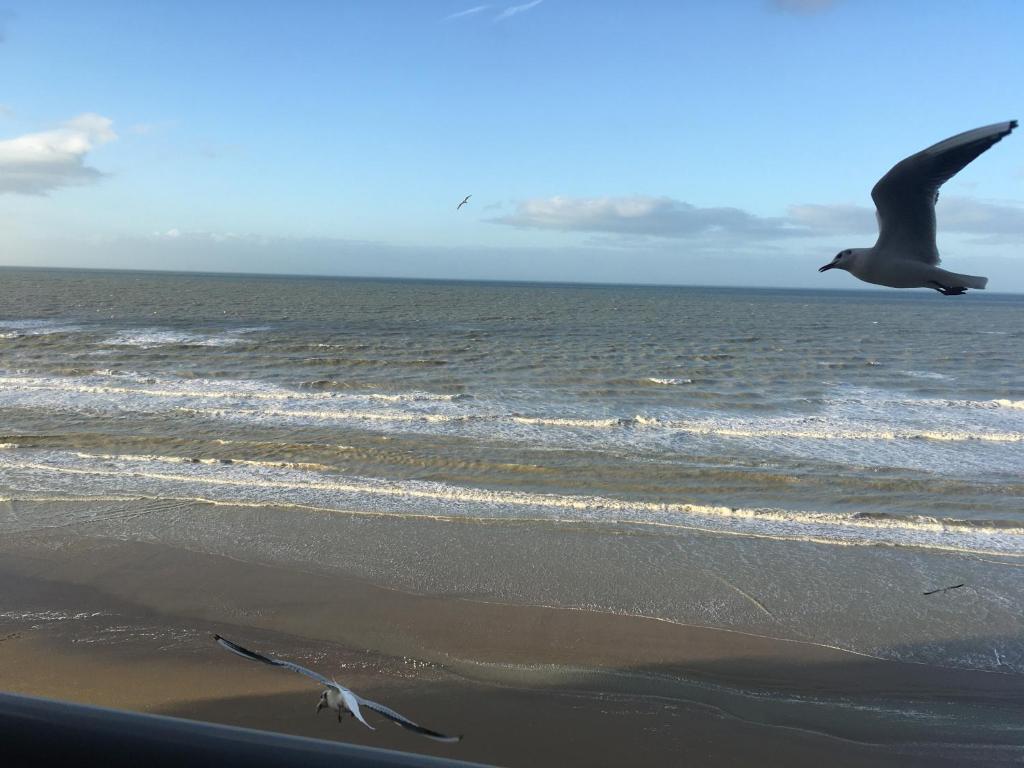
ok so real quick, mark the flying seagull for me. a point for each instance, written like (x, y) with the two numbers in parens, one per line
(337, 697)
(943, 589)
(464, 201)
(905, 255)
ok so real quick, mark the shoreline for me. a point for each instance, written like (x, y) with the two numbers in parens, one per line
(128, 624)
(861, 599)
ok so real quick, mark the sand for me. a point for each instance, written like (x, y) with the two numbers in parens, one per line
(129, 625)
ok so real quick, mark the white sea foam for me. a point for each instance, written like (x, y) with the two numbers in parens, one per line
(154, 459)
(926, 375)
(12, 329)
(869, 427)
(787, 428)
(879, 399)
(142, 390)
(669, 382)
(147, 338)
(51, 615)
(38, 471)
(940, 403)
(315, 416)
(1003, 403)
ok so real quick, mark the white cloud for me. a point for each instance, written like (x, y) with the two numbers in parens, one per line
(37, 163)
(512, 10)
(834, 218)
(642, 215)
(630, 221)
(467, 12)
(199, 237)
(965, 215)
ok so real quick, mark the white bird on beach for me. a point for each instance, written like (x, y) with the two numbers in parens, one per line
(905, 254)
(337, 696)
(464, 201)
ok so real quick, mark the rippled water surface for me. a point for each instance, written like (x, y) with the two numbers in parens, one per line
(864, 419)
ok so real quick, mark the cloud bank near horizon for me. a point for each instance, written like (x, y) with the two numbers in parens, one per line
(779, 264)
(666, 217)
(641, 215)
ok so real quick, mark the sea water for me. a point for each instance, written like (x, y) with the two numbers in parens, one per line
(797, 464)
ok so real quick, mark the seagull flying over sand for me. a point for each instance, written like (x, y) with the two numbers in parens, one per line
(464, 201)
(905, 254)
(338, 697)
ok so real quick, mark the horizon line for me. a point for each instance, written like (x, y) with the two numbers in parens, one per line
(468, 280)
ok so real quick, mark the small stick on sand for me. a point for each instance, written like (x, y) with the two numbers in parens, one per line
(943, 589)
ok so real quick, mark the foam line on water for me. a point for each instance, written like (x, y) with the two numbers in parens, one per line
(150, 387)
(40, 470)
(867, 428)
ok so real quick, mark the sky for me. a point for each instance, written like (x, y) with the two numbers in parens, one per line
(693, 143)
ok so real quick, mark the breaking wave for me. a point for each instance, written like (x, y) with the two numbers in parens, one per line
(78, 474)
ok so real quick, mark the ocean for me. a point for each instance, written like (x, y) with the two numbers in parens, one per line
(791, 463)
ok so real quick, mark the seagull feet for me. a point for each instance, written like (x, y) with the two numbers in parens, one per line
(945, 290)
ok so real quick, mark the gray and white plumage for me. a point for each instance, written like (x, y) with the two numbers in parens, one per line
(905, 254)
(337, 697)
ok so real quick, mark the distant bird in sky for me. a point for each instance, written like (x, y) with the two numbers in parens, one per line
(905, 254)
(942, 589)
(337, 697)
(464, 201)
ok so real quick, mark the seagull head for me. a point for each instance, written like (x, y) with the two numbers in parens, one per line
(842, 260)
(322, 704)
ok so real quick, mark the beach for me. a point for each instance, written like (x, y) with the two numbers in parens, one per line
(580, 525)
(130, 626)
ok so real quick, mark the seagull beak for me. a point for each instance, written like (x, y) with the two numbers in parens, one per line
(830, 265)
(320, 705)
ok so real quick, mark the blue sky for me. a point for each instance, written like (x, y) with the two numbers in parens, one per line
(732, 143)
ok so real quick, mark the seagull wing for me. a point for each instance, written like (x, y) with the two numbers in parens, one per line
(905, 197)
(405, 722)
(253, 656)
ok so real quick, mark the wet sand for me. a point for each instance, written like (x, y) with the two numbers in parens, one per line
(129, 624)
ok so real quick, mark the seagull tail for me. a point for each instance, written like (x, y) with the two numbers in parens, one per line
(971, 281)
(955, 280)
